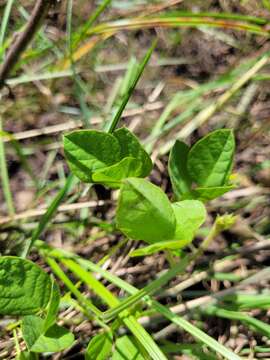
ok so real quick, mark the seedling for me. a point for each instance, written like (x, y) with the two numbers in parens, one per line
(144, 212)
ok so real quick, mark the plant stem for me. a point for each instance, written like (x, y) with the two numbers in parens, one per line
(4, 176)
(24, 38)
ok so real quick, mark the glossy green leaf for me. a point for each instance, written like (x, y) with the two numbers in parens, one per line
(100, 347)
(127, 349)
(210, 193)
(144, 212)
(113, 175)
(177, 166)
(131, 147)
(24, 287)
(39, 340)
(190, 215)
(159, 246)
(87, 151)
(210, 159)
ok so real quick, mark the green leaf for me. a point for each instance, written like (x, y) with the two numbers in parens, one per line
(24, 287)
(181, 181)
(127, 349)
(95, 156)
(131, 147)
(144, 212)
(210, 159)
(87, 151)
(210, 193)
(100, 347)
(190, 215)
(113, 175)
(53, 306)
(40, 340)
(159, 246)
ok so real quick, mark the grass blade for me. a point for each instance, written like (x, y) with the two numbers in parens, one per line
(4, 175)
(130, 90)
(4, 23)
(132, 324)
(89, 23)
(46, 218)
(194, 331)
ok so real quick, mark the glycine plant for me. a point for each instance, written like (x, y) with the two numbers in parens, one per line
(28, 291)
(144, 212)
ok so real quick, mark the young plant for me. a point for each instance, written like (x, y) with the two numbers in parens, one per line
(29, 292)
(144, 212)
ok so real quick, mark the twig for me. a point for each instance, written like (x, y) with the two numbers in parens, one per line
(206, 300)
(219, 266)
(74, 124)
(24, 38)
(39, 212)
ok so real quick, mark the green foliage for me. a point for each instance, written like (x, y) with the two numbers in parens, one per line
(95, 156)
(100, 347)
(39, 339)
(210, 193)
(130, 146)
(26, 355)
(27, 290)
(210, 159)
(144, 212)
(178, 172)
(88, 151)
(207, 164)
(190, 215)
(158, 246)
(53, 306)
(126, 348)
(24, 287)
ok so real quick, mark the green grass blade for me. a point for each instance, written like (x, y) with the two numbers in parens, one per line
(178, 22)
(4, 175)
(89, 23)
(132, 324)
(46, 218)
(224, 16)
(38, 77)
(5, 19)
(153, 287)
(92, 282)
(87, 304)
(144, 338)
(19, 151)
(194, 331)
(130, 90)
(256, 324)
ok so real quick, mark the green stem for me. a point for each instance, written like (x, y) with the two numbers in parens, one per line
(4, 175)
(45, 219)
(130, 90)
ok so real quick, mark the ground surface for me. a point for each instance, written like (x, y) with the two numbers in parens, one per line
(185, 59)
